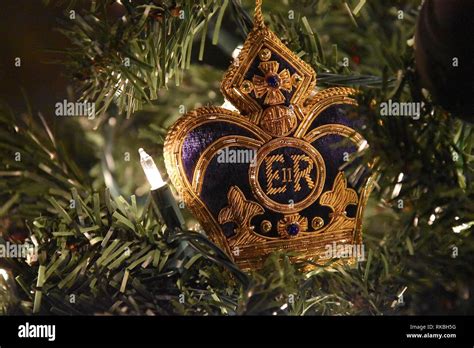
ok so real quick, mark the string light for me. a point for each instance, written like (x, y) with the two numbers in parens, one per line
(236, 51)
(228, 105)
(398, 186)
(164, 203)
(4, 274)
(151, 171)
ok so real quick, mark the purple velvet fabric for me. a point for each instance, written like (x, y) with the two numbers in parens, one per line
(219, 177)
(201, 137)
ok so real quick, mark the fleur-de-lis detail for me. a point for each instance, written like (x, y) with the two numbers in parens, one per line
(272, 83)
(340, 196)
(338, 199)
(240, 210)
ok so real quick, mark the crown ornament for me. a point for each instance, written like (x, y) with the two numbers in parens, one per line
(268, 178)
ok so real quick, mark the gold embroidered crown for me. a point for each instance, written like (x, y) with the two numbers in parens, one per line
(268, 178)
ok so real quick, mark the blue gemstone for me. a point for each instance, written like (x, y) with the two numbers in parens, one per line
(273, 81)
(293, 229)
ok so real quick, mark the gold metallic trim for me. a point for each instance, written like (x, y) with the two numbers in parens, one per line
(174, 165)
(297, 219)
(278, 120)
(252, 249)
(265, 226)
(322, 101)
(273, 94)
(319, 180)
(338, 199)
(317, 223)
(338, 129)
(309, 247)
(239, 211)
(265, 54)
(363, 198)
(260, 38)
(207, 156)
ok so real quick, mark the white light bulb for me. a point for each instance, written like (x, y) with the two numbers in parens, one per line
(4, 273)
(228, 105)
(151, 171)
(236, 51)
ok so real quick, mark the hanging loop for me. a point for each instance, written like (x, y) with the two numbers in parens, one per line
(258, 17)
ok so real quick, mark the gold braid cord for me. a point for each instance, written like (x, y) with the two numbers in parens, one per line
(258, 17)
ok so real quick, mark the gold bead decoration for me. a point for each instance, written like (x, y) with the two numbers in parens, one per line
(246, 87)
(265, 54)
(296, 79)
(266, 226)
(278, 120)
(317, 223)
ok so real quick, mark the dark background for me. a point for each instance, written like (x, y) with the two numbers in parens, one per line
(27, 29)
